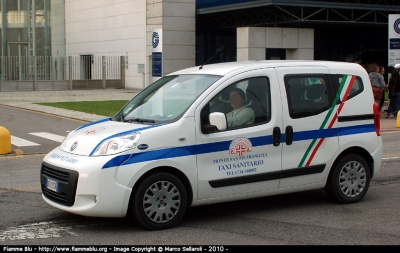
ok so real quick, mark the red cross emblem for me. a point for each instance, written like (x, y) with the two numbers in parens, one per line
(240, 146)
(240, 150)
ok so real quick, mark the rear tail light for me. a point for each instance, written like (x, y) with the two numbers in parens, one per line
(377, 120)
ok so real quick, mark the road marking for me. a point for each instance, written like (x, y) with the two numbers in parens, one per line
(19, 142)
(49, 136)
(27, 188)
(393, 155)
(394, 131)
(39, 230)
(50, 229)
(17, 156)
(390, 158)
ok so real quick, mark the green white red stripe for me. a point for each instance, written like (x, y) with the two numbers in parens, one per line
(342, 94)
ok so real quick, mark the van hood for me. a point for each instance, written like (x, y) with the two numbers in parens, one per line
(87, 138)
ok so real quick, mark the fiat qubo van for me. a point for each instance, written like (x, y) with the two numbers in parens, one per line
(222, 132)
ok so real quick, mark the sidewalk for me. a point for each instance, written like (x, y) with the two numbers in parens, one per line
(26, 100)
(388, 124)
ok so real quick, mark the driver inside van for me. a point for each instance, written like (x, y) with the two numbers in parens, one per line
(241, 114)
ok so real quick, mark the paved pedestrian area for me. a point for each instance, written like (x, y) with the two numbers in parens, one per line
(27, 100)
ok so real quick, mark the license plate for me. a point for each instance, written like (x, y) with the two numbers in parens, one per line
(52, 184)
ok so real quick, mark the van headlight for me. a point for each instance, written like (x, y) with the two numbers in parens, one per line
(117, 144)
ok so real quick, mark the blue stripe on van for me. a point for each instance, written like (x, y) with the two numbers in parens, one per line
(360, 129)
(333, 132)
(116, 161)
(122, 134)
(93, 123)
(151, 156)
(224, 145)
(315, 134)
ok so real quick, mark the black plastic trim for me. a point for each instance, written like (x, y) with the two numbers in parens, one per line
(355, 117)
(314, 169)
(67, 184)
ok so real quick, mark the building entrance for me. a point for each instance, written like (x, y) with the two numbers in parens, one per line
(18, 61)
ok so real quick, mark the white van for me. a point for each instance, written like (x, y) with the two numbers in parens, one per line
(222, 132)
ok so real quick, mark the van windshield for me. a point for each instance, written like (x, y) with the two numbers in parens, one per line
(165, 100)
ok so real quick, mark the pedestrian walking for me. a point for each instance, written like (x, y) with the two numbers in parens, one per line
(389, 71)
(392, 101)
(377, 82)
(397, 91)
(382, 72)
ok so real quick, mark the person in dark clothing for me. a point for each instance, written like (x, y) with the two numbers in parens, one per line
(382, 72)
(388, 74)
(377, 80)
(397, 92)
(394, 93)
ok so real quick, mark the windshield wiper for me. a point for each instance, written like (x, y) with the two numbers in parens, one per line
(139, 120)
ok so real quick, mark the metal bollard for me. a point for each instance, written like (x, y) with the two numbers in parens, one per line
(398, 119)
(5, 141)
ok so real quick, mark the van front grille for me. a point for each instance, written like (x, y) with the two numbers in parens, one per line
(59, 175)
(67, 181)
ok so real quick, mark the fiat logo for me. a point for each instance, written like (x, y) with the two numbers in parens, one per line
(73, 147)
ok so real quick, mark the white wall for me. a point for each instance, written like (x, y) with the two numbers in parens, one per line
(108, 27)
(123, 27)
(57, 25)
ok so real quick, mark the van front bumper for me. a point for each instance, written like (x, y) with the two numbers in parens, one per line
(79, 185)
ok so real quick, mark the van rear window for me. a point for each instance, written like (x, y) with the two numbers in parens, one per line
(312, 94)
(307, 94)
(356, 89)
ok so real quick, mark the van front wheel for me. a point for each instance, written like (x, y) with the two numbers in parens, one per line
(349, 180)
(159, 202)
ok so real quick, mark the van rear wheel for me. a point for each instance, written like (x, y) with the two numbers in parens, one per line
(159, 201)
(349, 180)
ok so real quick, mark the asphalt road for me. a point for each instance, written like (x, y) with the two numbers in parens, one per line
(307, 218)
(35, 132)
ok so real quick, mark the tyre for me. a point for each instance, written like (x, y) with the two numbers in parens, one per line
(159, 201)
(349, 179)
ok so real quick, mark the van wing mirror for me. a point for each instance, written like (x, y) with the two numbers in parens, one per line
(218, 120)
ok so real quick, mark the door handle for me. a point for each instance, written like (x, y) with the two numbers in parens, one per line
(276, 136)
(289, 135)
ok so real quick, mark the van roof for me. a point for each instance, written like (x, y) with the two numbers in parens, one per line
(226, 67)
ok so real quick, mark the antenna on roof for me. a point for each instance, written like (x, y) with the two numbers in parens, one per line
(219, 50)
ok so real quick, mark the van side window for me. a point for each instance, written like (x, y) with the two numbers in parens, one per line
(259, 98)
(307, 94)
(244, 103)
(356, 89)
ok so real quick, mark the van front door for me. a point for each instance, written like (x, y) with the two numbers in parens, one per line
(243, 159)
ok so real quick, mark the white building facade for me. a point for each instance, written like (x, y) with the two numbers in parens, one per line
(124, 28)
(192, 32)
